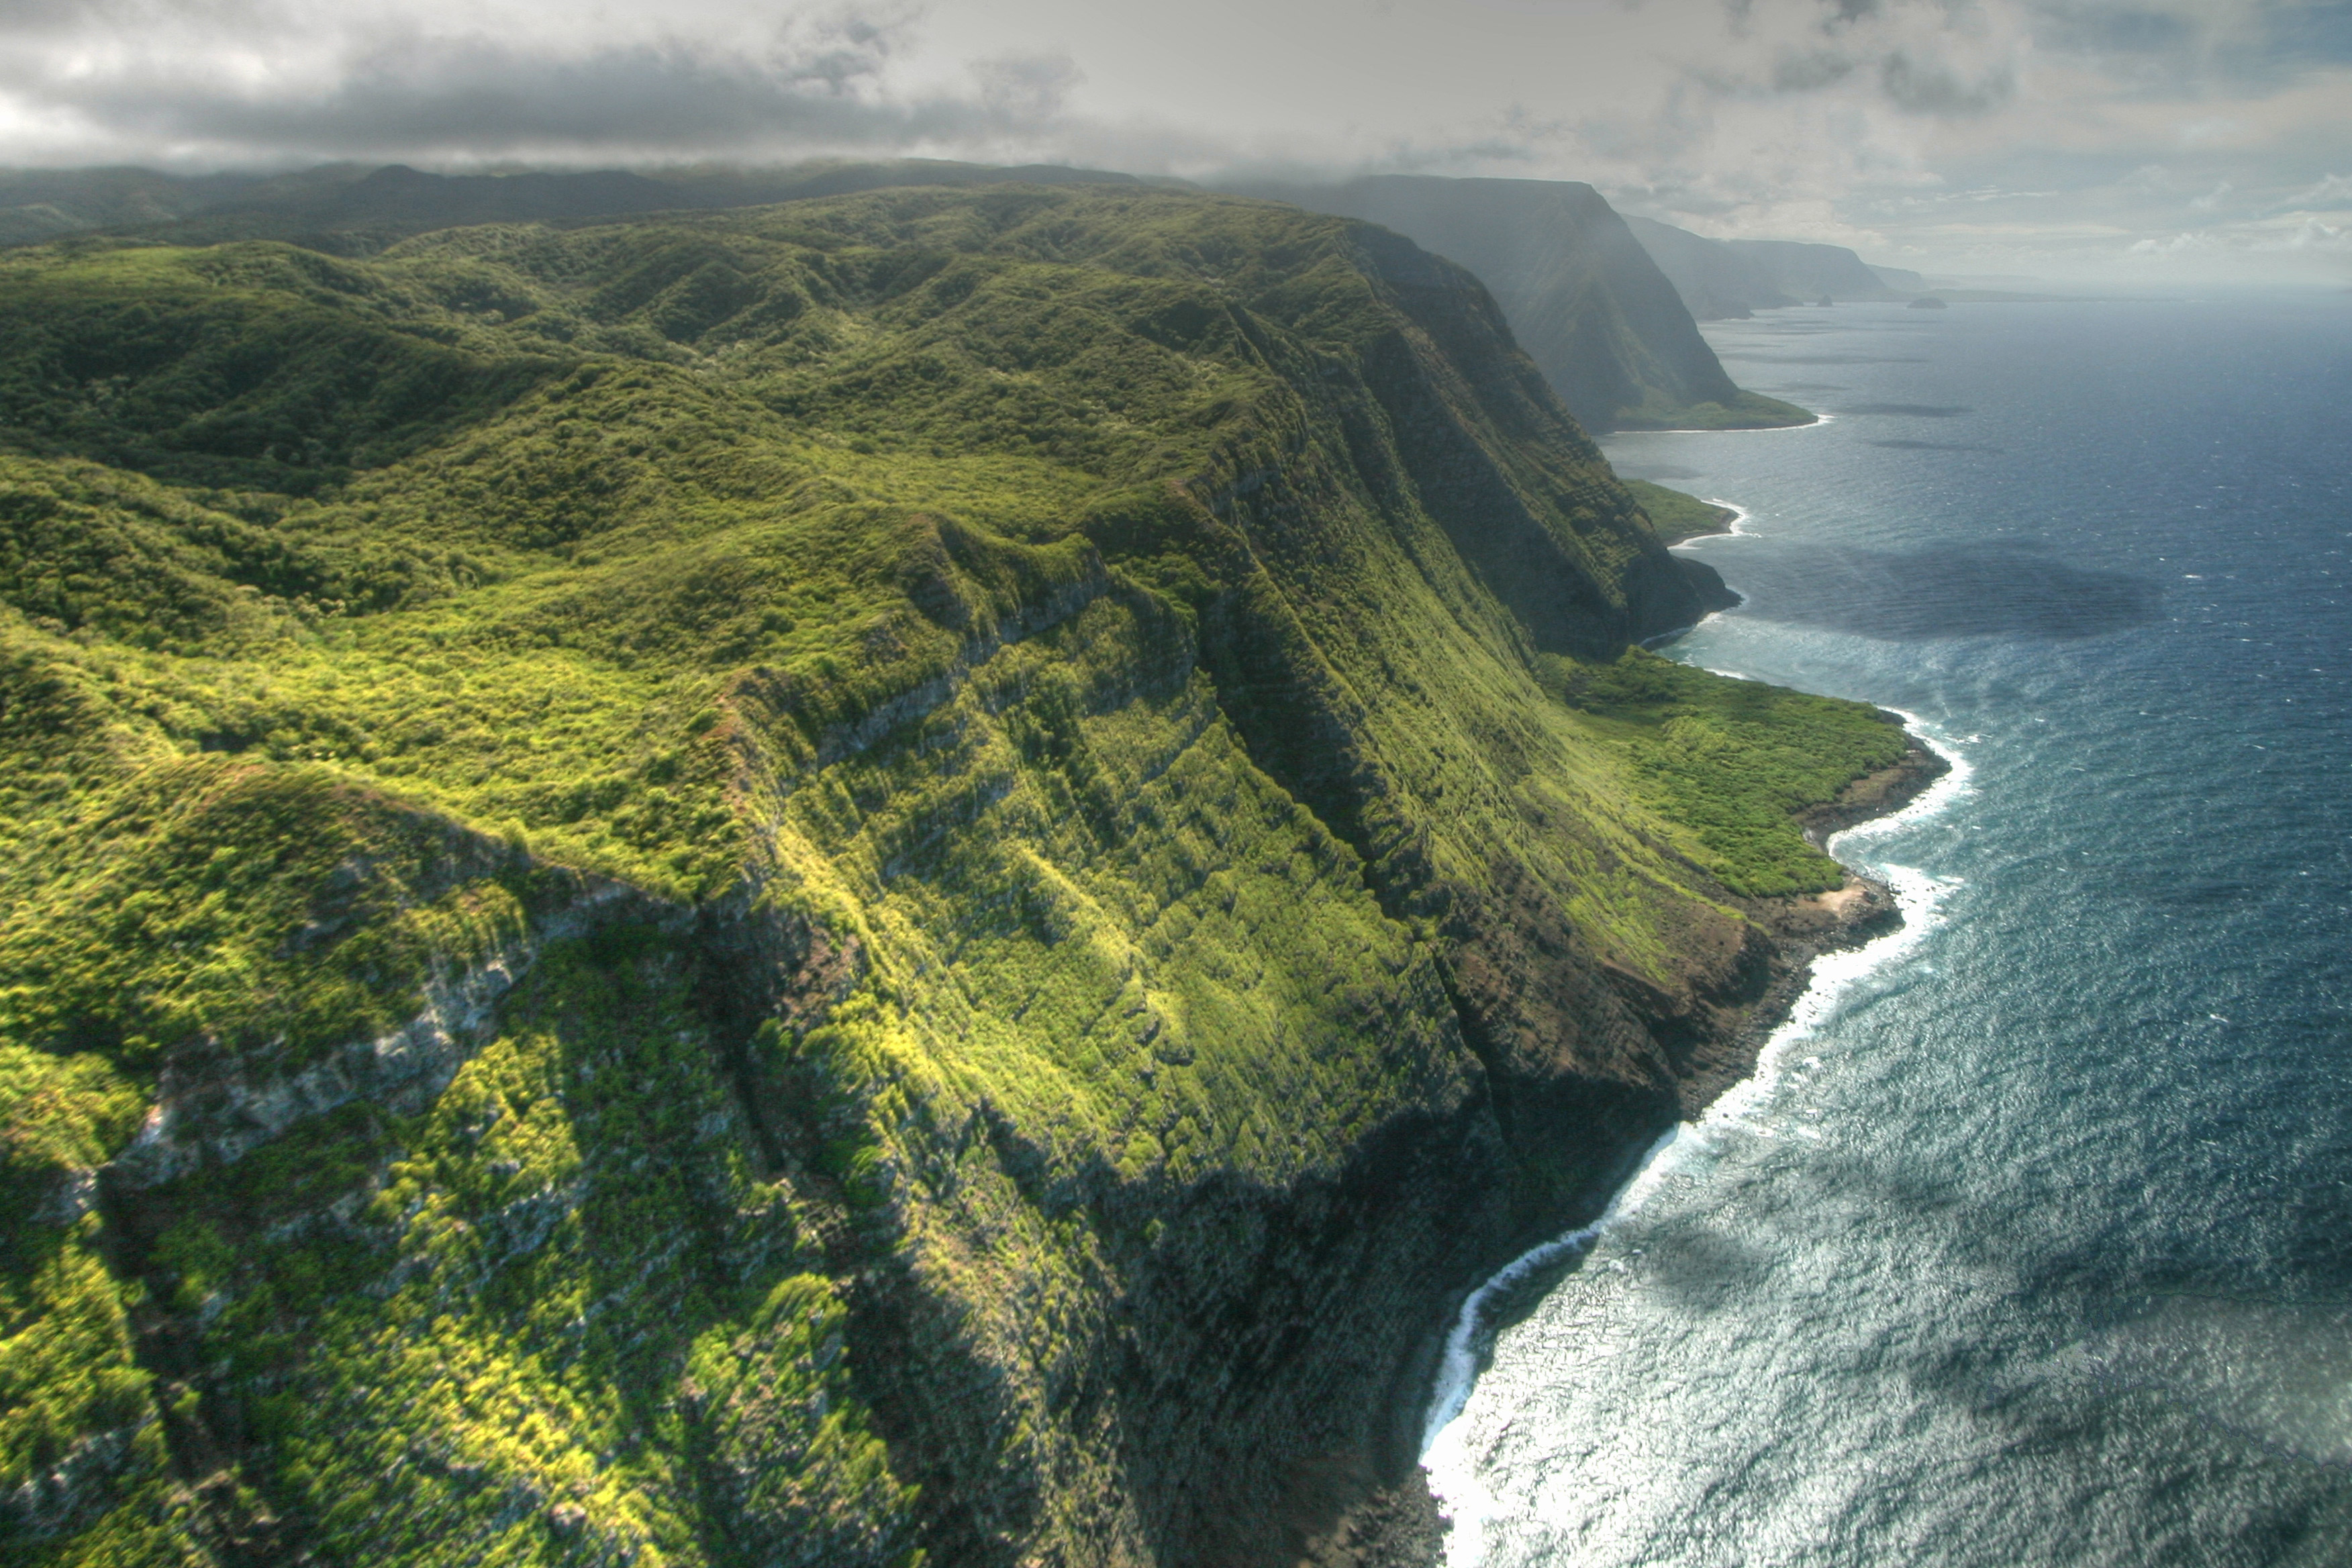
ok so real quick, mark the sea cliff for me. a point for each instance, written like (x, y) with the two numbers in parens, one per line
(1584, 298)
(916, 875)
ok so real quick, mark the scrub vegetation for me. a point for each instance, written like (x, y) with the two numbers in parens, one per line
(688, 891)
(1677, 516)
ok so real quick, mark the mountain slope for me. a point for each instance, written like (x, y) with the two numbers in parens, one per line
(1582, 297)
(906, 873)
(1714, 281)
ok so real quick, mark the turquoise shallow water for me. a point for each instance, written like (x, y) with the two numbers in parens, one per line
(2033, 1243)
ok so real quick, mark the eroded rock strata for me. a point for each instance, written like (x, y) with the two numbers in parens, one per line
(916, 874)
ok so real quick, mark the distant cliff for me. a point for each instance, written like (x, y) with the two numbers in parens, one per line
(1715, 281)
(1814, 272)
(1583, 298)
(1718, 278)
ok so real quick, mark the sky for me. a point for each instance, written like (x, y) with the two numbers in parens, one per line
(2157, 139)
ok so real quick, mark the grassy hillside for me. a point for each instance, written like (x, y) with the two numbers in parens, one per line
(901, 874)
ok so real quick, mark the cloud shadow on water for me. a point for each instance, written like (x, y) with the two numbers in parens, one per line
(1932, 446)
(1704, 1271)
(1917, 410)
(1941, 591)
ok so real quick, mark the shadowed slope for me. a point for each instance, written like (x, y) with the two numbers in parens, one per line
(1583, 298)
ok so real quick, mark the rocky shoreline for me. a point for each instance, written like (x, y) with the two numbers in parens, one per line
(1404, 1525)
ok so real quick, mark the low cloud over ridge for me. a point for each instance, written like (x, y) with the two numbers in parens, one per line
(1992, 135)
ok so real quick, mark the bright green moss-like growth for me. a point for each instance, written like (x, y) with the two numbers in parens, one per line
(690, 892)
(1733, 760)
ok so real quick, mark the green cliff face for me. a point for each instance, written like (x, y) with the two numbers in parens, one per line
(908, 874)
(1714, 281)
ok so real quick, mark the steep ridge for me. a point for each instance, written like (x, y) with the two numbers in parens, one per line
(911, 873)
(1714, 281)
(1582, 297)
(1814, 272)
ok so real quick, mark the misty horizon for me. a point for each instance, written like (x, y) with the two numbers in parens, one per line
(2160, 140)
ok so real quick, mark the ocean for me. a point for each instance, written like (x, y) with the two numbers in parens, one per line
(2031, 1243)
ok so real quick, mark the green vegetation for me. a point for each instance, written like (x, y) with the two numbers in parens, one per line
(1732, 761)
(1677, 516)
(574, 1211)
(893, 743)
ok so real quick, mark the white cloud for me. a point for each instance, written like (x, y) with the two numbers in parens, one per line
(2335, 191)
(2314, 235)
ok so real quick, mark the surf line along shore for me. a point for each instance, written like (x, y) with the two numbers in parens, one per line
(1857, 926)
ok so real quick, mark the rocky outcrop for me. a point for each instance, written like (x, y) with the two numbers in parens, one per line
(214, 1106)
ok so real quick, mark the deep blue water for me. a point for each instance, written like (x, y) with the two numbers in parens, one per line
(2035, 1248)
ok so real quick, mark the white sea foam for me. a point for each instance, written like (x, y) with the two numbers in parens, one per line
(1452, 1470)
(1815, 423)
(1736, 528)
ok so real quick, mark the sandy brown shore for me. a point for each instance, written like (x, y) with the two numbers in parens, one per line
(1404, 1525)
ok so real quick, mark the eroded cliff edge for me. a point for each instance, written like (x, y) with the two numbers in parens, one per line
(915, 874)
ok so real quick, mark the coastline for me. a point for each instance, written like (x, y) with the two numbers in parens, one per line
(1815, 423)
(1408, 1525)
(1734, 522)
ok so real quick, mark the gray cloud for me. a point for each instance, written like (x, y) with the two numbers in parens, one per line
(1026, 90)
(1995, 134)
(460, 95)
(411, 92)
(1811, 72)
(1926, 87)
